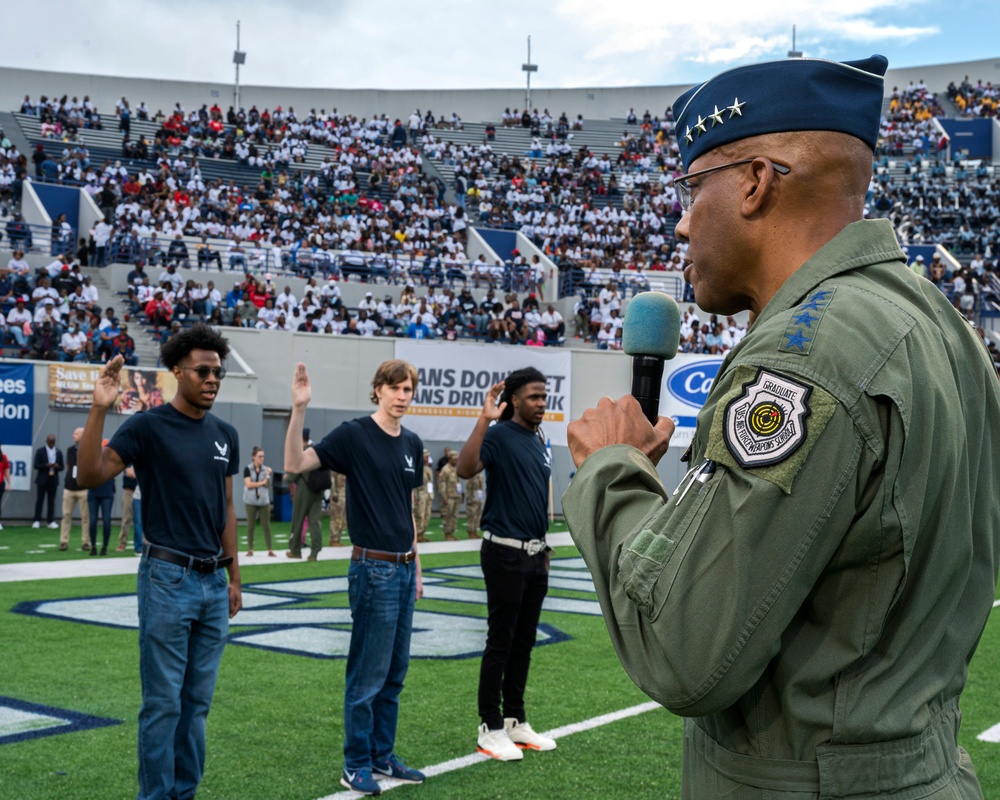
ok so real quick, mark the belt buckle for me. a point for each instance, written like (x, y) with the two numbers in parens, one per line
(408, 556)
(535, 546)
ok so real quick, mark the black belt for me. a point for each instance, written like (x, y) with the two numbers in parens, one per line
(361, 553)
(197, 564)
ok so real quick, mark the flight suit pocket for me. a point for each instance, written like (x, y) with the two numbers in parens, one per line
(641, 564)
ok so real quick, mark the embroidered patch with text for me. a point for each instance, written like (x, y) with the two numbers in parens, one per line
(766, 423)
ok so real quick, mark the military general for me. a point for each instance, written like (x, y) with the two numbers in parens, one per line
(810, 597)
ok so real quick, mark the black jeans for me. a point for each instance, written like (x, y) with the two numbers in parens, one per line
(45, 491)
(516, 585)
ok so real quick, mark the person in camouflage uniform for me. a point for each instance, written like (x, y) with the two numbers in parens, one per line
(449, 487)
(338, 508)
(474, 494)
(422, 499)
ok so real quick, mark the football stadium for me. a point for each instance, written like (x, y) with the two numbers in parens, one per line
(470, 233)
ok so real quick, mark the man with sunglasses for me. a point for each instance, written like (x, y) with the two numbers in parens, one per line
(184, 458)
(809, 599)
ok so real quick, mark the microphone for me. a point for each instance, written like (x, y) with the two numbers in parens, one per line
(651, 333)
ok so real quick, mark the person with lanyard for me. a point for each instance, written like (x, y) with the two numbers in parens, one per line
(382, 462)
(184, 458)
(514, 555)
(810, 597)
(257, 499)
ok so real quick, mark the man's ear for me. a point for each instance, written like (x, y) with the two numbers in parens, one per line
(759, 188)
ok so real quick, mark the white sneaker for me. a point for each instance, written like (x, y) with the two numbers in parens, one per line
(1, 527)
(524, 737)
(496, 744)
(53, 524)
(36, 524)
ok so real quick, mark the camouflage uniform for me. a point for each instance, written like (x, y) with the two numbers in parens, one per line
(474, 494)
(338, 506)
(451, 498)
(422, 501)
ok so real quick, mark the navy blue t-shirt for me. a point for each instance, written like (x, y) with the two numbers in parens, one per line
(182, 465)
(382, 471)
(517, 481)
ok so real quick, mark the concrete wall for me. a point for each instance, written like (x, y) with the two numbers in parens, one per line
(340, 370)
(237, 404)
(474, 105)
(33, 212)
(89, 214)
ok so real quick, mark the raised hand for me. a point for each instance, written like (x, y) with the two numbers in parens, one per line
(301, 389)
(108, 384)
(490, 408)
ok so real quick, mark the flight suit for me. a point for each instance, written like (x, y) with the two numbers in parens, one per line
(811, 597)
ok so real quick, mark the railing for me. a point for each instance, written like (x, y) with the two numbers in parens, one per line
(34, 238)
(307, 263)
(574, 280)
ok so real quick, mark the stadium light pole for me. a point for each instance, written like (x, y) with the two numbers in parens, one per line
(529, 68)
(793, 53)
(239, 57)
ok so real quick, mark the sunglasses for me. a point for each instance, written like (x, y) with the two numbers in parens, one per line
(203, 371)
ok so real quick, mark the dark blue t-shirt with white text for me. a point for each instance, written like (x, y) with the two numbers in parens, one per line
(382, 472)
(518, 467)
(182, 465)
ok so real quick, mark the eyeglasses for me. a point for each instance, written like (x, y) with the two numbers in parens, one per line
(684, 188)
(203, 371)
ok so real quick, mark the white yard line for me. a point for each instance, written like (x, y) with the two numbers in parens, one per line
(87, 568)
(475, 758)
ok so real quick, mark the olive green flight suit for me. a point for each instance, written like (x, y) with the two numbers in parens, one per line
(813, 604)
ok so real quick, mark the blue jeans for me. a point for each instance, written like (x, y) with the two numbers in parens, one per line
(183, 626)
(382, 595)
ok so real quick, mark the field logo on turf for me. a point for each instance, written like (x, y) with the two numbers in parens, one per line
(20, 721)
(312, 618)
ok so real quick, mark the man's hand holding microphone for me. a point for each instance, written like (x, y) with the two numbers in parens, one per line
(650, 334)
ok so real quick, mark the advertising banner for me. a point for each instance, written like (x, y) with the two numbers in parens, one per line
(454, 379)
(686, 381)
(72, 386)
(17, 399)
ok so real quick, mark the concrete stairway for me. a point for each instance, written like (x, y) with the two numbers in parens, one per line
(146, 348)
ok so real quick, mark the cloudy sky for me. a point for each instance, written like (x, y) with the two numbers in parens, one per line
(480, 44)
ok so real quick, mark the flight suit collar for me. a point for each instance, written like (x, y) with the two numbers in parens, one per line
(860, 244)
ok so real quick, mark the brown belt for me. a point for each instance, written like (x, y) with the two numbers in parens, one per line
(361, 553)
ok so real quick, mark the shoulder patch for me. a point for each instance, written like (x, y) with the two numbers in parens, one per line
(768, 424)
(804, 323)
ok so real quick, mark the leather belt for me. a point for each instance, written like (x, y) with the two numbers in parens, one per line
(361, 553)
(532, 546)
(196, 564)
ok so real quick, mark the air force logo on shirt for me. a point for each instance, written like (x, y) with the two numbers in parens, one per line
(409, 464)
(223, 452)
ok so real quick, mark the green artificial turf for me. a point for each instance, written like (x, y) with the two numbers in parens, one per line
(275, 731)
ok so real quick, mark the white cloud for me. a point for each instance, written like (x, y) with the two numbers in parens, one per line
(452, 43)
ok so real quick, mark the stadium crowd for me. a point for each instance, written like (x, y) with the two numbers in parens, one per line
(369, 209)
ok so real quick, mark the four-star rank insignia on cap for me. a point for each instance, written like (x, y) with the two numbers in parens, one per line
(766, 423)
